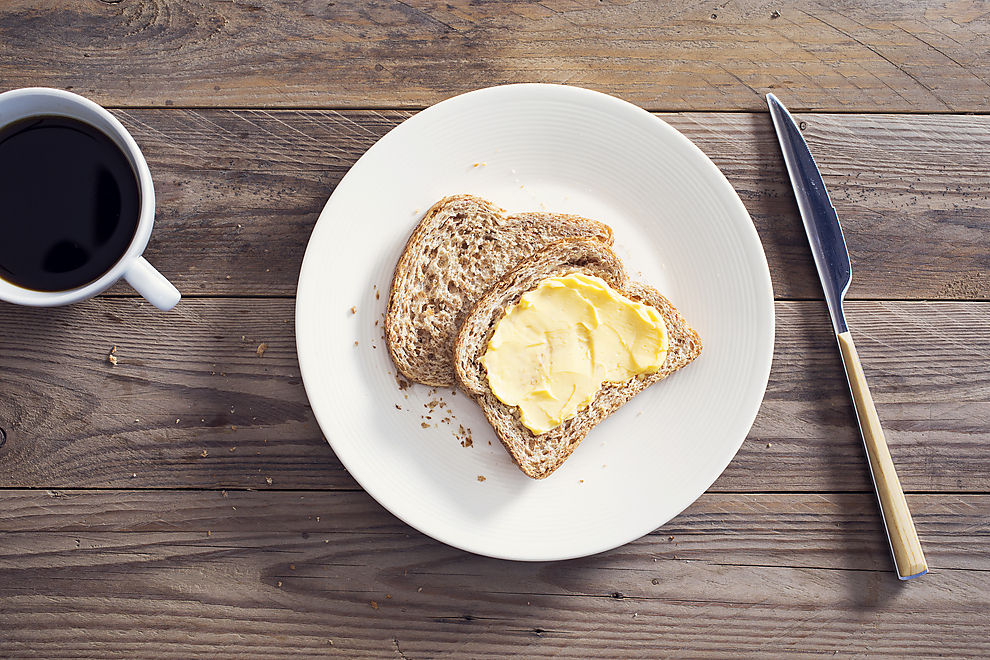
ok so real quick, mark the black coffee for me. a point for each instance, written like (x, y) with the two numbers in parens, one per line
(69, 203)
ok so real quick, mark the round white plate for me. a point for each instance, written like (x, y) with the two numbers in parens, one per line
(678, 225)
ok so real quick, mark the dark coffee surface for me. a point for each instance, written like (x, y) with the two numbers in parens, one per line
(69, 203)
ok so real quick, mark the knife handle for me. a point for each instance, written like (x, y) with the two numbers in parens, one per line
(909, 559)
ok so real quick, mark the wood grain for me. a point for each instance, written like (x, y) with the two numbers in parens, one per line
(175, 573)
(185, 379)
(909, 558)
(239, 192)
(251, 111)
(911, 56)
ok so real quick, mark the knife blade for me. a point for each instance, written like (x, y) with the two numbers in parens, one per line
(828, 246)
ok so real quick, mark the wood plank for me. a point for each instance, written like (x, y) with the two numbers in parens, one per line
(185, 379)
(894, 56)
(173, 573)
(239, 192)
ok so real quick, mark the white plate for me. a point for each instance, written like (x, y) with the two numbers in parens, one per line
(678, 225)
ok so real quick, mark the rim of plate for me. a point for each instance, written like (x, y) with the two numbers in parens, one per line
(719, 185)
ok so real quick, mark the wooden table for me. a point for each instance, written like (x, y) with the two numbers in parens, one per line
(184, 501)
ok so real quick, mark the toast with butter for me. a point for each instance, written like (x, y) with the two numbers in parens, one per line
(538, 455)
(460, 248)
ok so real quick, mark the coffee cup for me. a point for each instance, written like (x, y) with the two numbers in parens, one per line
(36, 259)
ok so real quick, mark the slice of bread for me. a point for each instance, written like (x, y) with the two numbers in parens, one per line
(459, 249)
(539, 455)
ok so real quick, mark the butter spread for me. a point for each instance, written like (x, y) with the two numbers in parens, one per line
(554, 349)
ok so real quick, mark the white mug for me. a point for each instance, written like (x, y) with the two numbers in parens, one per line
(31, 101)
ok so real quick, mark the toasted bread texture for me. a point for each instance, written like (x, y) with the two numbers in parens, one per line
(461, 247)
(539, 455)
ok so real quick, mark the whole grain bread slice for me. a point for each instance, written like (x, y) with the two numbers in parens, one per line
(460, 248)
(540, 455)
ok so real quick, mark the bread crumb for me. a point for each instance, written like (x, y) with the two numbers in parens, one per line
(580, 481)
(262, 347)
(769, 444)
(233, 427)
(355, 342)
(420, 589)
(388, 596)
(374, 605)
(467, 442)
(292, 567)
(232, 449)
(204, 453)
(398, 407)
(112, 355)
(481, 477)
(424, 425)
(279, 584)
(268, 480)
(353, 310)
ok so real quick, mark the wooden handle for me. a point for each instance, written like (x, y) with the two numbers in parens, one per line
(909, 560)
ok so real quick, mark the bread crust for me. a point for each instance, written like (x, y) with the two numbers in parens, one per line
(539, 455)
(461, 246)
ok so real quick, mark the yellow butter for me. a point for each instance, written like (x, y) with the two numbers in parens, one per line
(554, 349)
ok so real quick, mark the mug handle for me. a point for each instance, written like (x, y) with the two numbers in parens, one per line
(152, 285)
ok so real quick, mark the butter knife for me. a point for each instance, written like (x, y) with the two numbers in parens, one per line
(832, 260)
